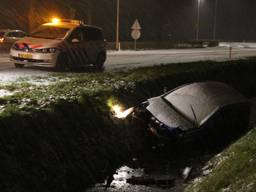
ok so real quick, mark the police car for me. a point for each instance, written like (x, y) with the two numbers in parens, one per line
(61, 44)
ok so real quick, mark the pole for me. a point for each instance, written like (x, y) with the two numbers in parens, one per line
(230, 52)
(215, 20)
(31, 15)
(198, 19)
(89, 12)
(117, 24)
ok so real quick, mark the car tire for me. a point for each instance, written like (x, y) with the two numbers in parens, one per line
(101, 58)
(17, 65)
(62, 62)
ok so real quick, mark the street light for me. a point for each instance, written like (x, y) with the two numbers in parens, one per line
(215, 20)
(198, 19)
(117, 24)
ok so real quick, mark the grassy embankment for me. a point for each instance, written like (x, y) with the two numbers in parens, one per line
(232, 170)
(61, 137)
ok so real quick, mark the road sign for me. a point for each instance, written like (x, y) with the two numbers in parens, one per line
(136, 34)
(136, 25)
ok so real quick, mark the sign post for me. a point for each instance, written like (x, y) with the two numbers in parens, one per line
(136, 32)
(117, 25)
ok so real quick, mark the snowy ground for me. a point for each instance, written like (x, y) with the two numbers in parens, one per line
(238, 44)
(134, 59)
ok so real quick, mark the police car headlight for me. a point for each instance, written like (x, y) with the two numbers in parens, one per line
(46, 50)
(52, 50)
(15, 46)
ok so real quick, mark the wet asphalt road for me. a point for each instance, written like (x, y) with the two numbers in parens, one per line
(134, 59)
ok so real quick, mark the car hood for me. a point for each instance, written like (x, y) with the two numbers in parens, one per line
(163, 112)
(39, 43)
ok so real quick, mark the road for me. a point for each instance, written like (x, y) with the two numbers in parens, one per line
(131, 59)
(134, 59)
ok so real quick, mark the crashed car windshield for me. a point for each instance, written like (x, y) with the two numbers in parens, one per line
(50, 32)
(197, 107)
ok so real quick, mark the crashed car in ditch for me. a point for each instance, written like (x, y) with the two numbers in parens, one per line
(193, 110)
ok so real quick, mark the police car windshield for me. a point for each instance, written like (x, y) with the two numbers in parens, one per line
(50, 32)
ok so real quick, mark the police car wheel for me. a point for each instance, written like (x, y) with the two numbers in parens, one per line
(100, 60)
(17, 65)
(62, 63)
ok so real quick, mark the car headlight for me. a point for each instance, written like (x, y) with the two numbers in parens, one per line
(46, 50)
(15, 46)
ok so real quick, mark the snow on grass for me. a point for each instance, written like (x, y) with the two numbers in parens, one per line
(45, 81)
(34, 80)
(5, 93)
(231, 170)
(14, 75)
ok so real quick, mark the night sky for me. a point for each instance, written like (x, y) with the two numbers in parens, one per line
(235, 19)
(160, 19)
(176, 19)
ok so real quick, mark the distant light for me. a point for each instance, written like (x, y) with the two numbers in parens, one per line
(1, 40)
(55, 20)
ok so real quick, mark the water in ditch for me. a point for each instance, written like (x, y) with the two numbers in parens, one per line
(157, 171)
(162, 169)
(120, 183)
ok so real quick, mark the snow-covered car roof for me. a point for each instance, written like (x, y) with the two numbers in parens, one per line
(193, 103)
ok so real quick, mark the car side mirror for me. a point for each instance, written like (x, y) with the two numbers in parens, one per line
(75, 40)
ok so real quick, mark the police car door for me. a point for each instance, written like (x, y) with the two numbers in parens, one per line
(91, 44)
(76, 48)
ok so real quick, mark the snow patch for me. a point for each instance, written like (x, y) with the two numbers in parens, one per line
(46, 82)
(5, 93)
